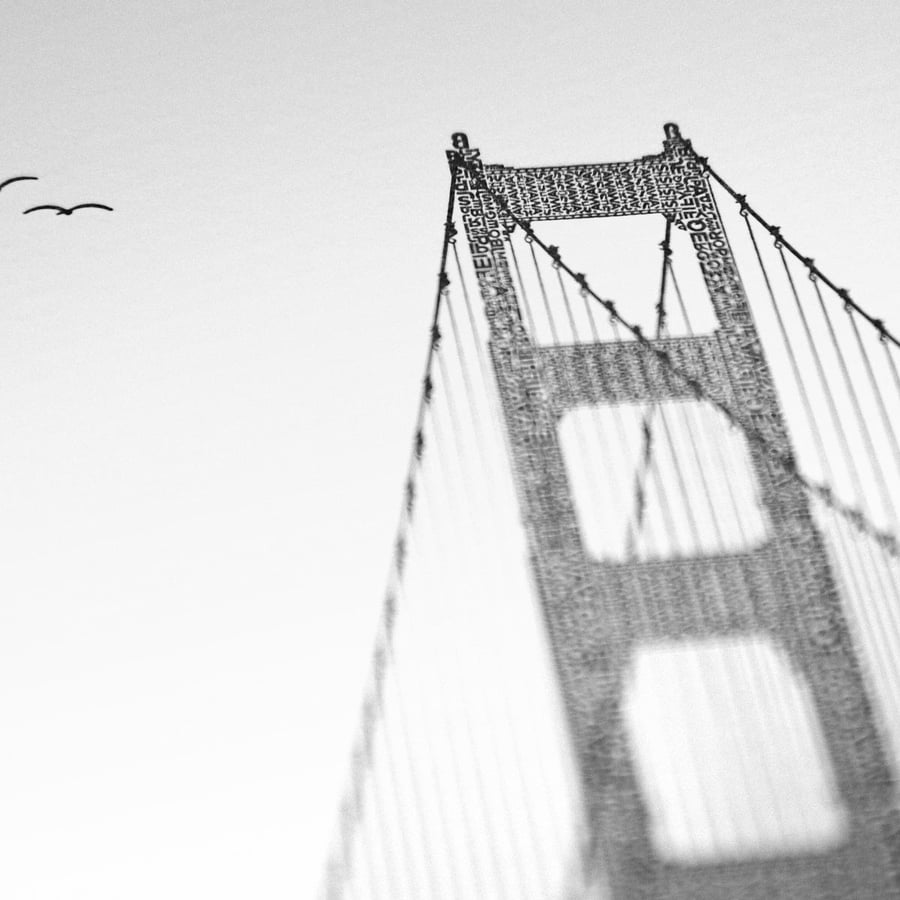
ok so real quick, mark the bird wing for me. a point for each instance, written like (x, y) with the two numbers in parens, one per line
(95, 205)
(18, 178)
(36, 208)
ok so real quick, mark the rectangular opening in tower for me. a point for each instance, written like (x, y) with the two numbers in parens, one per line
(622, 259)
(660, 480)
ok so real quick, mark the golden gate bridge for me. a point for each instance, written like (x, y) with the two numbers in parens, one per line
(641, 635)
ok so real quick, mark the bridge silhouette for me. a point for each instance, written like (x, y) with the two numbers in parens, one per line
(641, 635)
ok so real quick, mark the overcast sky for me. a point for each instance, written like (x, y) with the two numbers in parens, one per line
(207, 395)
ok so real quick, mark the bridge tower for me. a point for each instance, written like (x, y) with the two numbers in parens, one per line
(783, 588)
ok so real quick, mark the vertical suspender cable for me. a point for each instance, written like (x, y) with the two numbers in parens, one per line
(860, 418)
(877, 393)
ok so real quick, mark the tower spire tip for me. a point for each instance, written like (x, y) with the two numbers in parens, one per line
(673, 132)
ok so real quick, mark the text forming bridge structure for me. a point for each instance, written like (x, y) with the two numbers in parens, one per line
(641, 637)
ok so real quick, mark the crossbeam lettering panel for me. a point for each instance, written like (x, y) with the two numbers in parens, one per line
(779, 594)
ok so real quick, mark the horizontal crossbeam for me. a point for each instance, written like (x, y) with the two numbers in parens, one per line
(615, 372)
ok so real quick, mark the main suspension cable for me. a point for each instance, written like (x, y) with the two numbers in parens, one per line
(339, 869)
(814, 270)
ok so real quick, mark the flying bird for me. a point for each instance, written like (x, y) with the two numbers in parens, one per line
(18, 178)
(62, 211)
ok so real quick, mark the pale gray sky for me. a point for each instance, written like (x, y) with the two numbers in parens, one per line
(207, 395)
